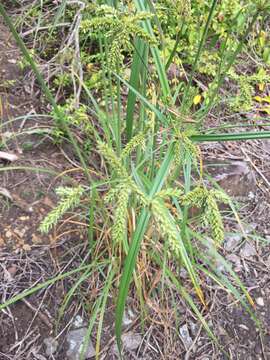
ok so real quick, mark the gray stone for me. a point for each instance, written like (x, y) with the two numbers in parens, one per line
(128, 317)
(78, 322)
(75, 339)
(248, 250)
(51, 346)
(234, 259)
(184, 333)
(231, 241)
(235, 177)
(193, 328)
(130, 341)
(260, 301)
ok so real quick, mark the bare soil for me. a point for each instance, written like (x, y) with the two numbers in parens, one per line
(28, 258)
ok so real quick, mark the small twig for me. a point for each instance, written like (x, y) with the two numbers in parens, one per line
(193, 343)
(26, 33)
(262, 346)
(76, 64)
(256, 168)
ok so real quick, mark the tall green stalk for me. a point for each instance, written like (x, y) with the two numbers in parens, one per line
(198, 53)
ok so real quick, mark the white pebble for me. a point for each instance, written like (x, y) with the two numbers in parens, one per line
(260, 301)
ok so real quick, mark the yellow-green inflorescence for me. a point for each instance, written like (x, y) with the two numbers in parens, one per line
(183, 146)
(119, 27)
(166, 225)
(121, 193)
(69, 199)
(207, 200)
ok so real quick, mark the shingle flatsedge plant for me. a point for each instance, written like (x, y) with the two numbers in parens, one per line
(145, 152)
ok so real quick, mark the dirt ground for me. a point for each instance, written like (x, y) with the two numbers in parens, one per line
(28, 258)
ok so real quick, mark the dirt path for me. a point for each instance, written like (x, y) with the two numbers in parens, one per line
(28, 258)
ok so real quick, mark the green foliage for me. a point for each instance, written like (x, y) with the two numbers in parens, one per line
(119, 29)
(74, 115)
(120, 214)
(166, 226)
(185, 148)
(69, 199)
(243, 101)
(206, 200)
(230, 21)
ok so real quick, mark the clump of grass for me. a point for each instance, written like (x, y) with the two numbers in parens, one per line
(141, 166)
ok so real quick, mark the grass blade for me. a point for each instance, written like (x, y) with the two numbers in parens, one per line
(31, 291)
(134, 83)
(135, 246)
(231, 137)
(155, 53)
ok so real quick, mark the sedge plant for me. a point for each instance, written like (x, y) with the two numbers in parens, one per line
(151, 163)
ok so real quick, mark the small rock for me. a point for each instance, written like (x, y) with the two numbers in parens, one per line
(184, 333)
(12, 270)
(24, 218)
(78, 322)
(235, 177)
(193, 328)
(26, 247)
(51, 346)
(244, 327)
(75, 339)
(231, 241)
(248, 250)
(129, 317)
(260, 301)
(234, 259)
(130, 340)
(8, 234)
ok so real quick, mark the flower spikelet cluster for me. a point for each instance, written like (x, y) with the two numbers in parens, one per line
(137, 140)
(166, 225)
(208, 200)
(183, 146)
(69, 199)
(120, 28)
(120, 214)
